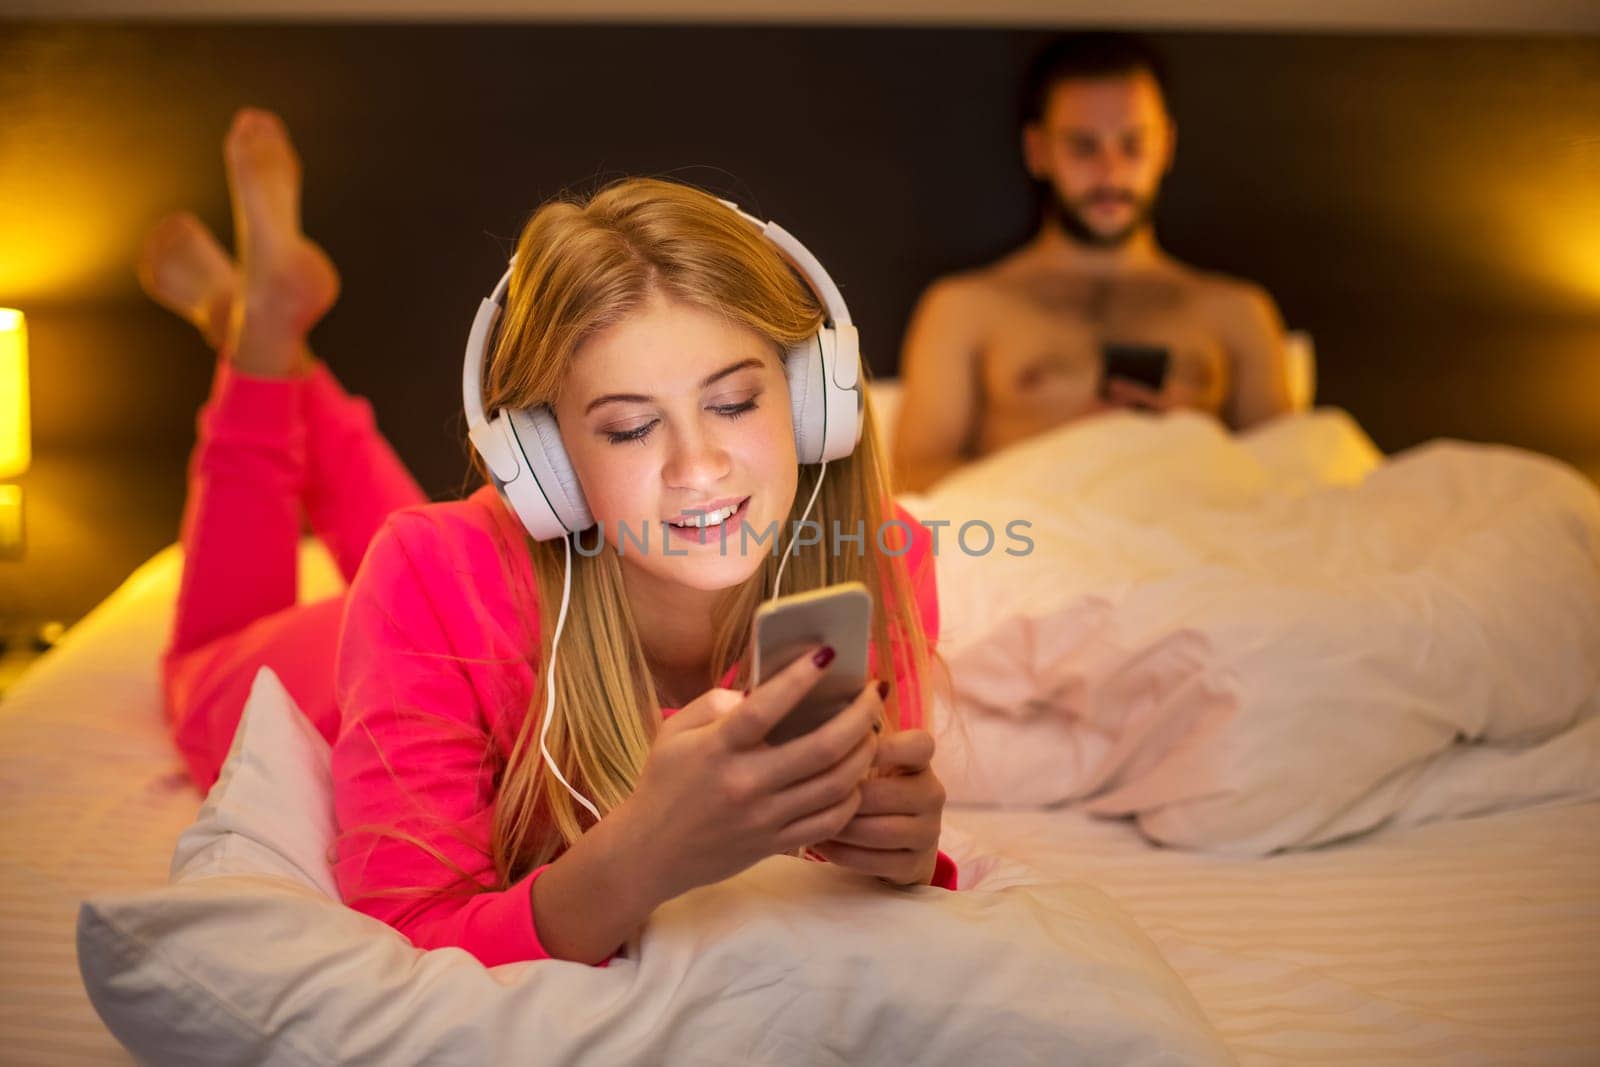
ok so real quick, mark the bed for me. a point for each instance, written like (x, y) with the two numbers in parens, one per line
(1467, 941)
(1460, 940)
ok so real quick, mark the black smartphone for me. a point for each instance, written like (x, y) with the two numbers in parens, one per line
(1145, 364)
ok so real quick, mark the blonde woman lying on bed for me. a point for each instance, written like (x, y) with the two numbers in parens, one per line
(653, 319)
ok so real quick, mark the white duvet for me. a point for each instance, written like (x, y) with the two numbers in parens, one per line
(1268, 641)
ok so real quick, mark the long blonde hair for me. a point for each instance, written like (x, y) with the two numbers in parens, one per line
(583, 265)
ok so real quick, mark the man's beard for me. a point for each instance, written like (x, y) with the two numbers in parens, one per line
(1069, 214)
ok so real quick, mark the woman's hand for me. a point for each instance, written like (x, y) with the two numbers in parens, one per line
(895, 831)
(715, 798)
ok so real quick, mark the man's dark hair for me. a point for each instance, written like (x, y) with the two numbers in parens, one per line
(1089, 55)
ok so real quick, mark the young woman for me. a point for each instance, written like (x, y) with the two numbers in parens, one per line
(534, 747)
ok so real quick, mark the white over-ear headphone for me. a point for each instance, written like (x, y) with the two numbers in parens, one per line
(522, 447)
(529, 466)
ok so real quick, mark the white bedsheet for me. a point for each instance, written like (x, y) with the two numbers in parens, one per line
(1472, 941)
(94, 796)
(1270, 641)
(1469, 941)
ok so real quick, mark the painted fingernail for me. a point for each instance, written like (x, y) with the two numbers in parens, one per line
(823, 656)
(883, 690)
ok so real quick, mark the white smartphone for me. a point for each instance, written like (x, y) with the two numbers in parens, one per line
(785, 628)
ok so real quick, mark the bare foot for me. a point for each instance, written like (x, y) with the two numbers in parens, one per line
(286, 282)
(184, 269)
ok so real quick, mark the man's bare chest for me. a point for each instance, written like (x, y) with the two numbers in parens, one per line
(1047, 335)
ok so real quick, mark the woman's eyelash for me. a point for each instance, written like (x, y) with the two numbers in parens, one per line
(733, 411)
(639, 433)
(636, 434)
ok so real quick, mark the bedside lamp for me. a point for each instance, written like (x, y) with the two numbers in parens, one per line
(15, 443)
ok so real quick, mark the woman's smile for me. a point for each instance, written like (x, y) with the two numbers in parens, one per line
(712, 523)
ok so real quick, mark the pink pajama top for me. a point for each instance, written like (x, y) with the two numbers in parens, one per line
(436, 672)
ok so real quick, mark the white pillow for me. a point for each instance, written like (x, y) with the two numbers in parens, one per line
(246, 958)
(271, 808)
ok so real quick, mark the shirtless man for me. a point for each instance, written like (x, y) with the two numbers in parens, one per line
(998, 354)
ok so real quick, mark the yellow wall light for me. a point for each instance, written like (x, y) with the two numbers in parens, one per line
(15, 447)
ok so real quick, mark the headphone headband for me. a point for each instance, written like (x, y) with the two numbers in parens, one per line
(478, 428)
(809, 266)
(522, 448)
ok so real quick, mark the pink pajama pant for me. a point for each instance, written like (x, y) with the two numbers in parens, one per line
(266, 448)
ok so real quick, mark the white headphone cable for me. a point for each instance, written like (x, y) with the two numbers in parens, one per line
(777, 583)
(550, 689)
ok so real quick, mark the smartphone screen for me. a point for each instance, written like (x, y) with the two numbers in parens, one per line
(1144, 364)
(789, 627)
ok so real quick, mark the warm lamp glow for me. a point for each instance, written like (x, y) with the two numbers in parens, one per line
(15, 451)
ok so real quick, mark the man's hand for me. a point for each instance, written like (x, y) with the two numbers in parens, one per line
(1173, 396)
(895, 832)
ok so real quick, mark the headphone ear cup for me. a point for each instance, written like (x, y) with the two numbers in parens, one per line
(807, 399)
(546, 494)
(847, 405)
